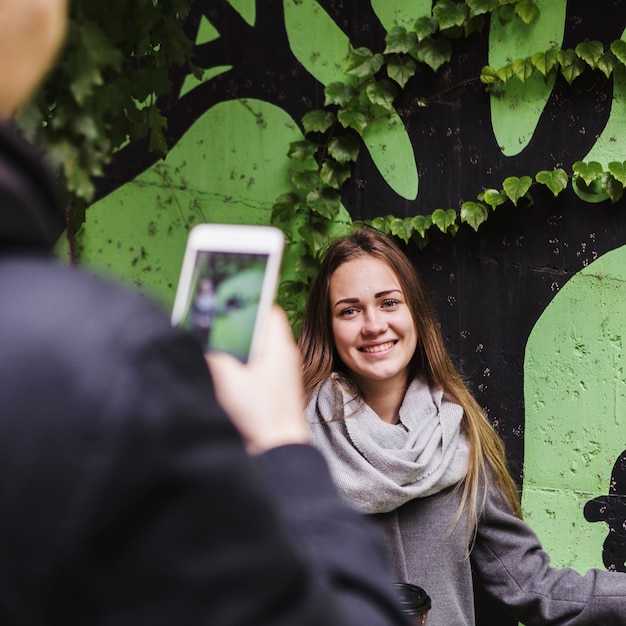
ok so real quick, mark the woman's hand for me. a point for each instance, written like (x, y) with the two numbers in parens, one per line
(264, 398)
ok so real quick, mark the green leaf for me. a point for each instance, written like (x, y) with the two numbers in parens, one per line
(400, 41)
(613, 187)
(590, 52)
(284, 208)
(571, 65)
(306, 180)
(527, 11)
(318, 120)
(556, 180)
(479, 7)
(335, 174)
(434, 52)
(523, 69)
(421, 223)
(505, 73)
(607, 63)
(545, 61)
(344, 148)
(302, 150)
(402, 229)
(618, 48)
(362, 62)
(325, 202)
(474, 214)
(618, 170)
(401, 69)
(315, 235)
(381, 93)
(445, 220)
(355, 118)
(488, 75)
(380, 224)
(338, 93)
(493, 197)
(474, 25)
(424, 27)
(516, 188)
(450, 14)
(588, 171)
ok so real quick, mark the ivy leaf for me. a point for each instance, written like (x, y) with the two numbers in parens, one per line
(571, 65)
(306, 180)
(315, 234)
(318, 120)
(588, 171)
(302, 150)
(334, 174)
(523, 69)
(380, 224)
(493, 198)
(545, 61)
(325, 202)
(488, 75)
(445, 220)
(401, 228)
(355, 118)
(479, 7)
(424, 27)
(434, 52)
(618, 48)
(450, 14)
(618, 170)
(401, 69)
(382, 94)
(362, 62)
(474, 25)
(474, 214)
(516, 188)
(527, 11)
(421, 223)
(607, 63)
(555, 180)
(338, 93)
(590, 52)
(344, 148)
(505, 73)
(400, 41)
(157, 123)
(284, 207)
(613, 187)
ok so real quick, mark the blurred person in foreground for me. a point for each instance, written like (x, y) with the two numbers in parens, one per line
(127, 495)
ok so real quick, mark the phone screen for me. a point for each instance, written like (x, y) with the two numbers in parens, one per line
(224, 299)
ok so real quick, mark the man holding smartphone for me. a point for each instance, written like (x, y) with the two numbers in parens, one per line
(127, 495)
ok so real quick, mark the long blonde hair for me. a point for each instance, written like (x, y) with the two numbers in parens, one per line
(430, 360)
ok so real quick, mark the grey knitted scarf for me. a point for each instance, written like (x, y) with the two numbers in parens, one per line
(379, 466)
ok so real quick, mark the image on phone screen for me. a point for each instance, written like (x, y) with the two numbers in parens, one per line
(223, 301)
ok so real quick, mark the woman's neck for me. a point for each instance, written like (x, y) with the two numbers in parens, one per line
(385, 398)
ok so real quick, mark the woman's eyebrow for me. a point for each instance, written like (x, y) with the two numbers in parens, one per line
(346, 301)
(380, 294)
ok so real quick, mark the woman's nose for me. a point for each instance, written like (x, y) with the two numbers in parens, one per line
(373, 323)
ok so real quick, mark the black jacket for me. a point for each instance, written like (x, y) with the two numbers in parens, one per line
(126, 496)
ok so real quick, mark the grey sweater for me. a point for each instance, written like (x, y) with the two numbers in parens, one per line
(506, 557)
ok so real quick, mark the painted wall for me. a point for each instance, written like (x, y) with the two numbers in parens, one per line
(532, 305)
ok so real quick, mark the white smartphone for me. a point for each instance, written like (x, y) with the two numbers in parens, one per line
(227, 285)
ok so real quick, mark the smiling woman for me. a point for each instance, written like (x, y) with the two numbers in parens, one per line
(409, 446)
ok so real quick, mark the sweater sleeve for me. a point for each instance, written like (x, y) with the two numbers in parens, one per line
(511, 566)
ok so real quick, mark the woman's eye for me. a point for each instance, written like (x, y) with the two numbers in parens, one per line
(347, 312)
(390, 304)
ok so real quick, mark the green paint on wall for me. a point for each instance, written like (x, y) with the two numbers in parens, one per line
(229, 167)
(322, 48)
(400, 13)
(245, 8)
(575, 396)
(515, 113)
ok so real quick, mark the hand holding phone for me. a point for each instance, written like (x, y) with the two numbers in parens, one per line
(227, 285)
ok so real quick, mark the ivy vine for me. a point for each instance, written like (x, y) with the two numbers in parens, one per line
(333, 135)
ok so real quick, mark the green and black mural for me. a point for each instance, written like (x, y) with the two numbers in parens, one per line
(488, 136)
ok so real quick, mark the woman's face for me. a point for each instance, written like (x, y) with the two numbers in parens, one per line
(372, 326)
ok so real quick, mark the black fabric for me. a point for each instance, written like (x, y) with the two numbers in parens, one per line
(126, 496)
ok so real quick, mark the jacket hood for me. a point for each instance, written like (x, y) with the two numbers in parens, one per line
(31, 216)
